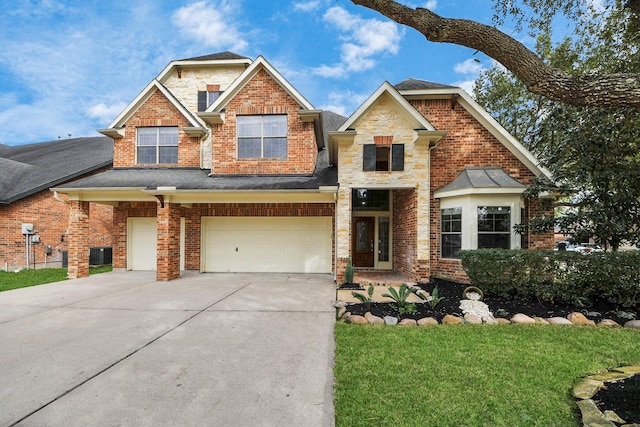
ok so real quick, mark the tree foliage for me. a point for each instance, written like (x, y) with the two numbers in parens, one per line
(601, 88)
(592, 152)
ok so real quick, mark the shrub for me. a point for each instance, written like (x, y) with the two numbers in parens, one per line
(558, 277)
(349, 272)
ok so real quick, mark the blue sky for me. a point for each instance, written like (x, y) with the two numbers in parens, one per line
(69, 67)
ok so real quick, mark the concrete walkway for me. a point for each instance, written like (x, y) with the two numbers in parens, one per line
(204, 350)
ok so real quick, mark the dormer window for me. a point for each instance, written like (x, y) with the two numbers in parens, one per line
(208, 97)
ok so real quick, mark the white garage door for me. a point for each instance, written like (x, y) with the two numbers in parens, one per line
(267, 244)
(142, 238)
(141, 244)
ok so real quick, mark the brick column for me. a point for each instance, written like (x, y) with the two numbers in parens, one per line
(168, 267)
(79, 229)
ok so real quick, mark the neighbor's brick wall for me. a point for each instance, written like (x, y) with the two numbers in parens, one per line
(468, 144)
(262, 95)
(50, 219)
(156, 112)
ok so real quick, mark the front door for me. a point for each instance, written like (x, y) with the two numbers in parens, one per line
(363, 241)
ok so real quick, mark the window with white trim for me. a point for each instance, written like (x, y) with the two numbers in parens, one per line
(450, 232)
(157, 145)
(494, 227)
(262, 137)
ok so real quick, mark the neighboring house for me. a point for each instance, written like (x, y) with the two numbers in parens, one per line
(221, 165)
(26, 173)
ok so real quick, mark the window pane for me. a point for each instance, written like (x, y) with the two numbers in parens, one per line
(249, 148)
(451, 244)
(502, 241)
(383, 239)
(168, 136)
(146, 155)
(382, 158)
(147, 136)
(168, 155)
(250, 126)
(370, 200)
(275, 126)
(275, 148)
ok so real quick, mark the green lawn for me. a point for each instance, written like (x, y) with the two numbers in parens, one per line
(25, 278)
(471, 375)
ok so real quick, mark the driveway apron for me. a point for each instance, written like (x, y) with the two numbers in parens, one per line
(119, 348)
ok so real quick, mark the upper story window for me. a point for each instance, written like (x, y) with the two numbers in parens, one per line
(207, 97)
(451, 232)
(494, 227)
(383, 158)
(262, 137)
(158, 145)
(370, 200)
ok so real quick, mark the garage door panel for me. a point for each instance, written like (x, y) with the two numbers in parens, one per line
(267, 244)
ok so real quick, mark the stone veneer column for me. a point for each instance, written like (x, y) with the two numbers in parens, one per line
(168, 262)
(79, 229)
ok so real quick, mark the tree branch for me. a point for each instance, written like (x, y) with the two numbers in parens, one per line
(606, 90)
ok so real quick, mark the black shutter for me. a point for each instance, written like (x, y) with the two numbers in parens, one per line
(369, 157)
(397, 157)
(202, 100)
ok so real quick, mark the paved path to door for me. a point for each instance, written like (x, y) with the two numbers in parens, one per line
(204, 350)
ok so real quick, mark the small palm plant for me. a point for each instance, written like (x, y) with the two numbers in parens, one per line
(365, 299)
(399, 296)
(434, 299)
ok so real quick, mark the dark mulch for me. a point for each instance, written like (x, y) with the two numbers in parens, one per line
(622, 397)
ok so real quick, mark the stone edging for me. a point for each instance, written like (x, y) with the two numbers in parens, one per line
(574, 318)
(589, 386)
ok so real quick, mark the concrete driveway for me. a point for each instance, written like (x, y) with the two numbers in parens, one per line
(204, 350)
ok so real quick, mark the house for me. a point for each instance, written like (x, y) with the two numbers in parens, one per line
(26, 173)
(221, 165)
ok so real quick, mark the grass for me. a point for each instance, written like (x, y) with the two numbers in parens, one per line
(511, 375)
(26, 278)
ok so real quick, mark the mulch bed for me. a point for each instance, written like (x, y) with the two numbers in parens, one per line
(622, 397)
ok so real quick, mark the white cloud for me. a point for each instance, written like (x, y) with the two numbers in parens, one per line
(105, 113)
(307, 6)
(431, 4)
(212, 24)
(467, 85)
(470, 66)
(344, 102)
(363, 40)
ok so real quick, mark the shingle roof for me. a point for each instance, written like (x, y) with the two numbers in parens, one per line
(216, 56)
(199, 179)
(416, 84)
(28, 169)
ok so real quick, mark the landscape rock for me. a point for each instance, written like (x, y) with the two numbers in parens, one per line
(356, 319)
(408, 322)
(586, 388)
(341, 312)
(340, 304)
(635, 324)
(503, 321)
(609, 323)
(490, 320)
(541, 321)
(473, 319)
(580, 319)
(612, 416)
(374, 320)
(559, 321)
(522, 318)
(427, 321)
(591, 416)
(390, 320)
(452, 320)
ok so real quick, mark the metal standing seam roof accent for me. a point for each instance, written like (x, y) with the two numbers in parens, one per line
(481, 177)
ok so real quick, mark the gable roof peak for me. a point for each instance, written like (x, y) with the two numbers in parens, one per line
(220, 56)
(417, 84)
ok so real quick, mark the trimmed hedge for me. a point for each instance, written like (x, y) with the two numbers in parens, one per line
(557, 277)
